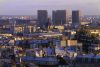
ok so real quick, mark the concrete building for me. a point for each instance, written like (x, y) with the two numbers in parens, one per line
(88, 60)
(75, 19)
(42, 18)
(59, 17)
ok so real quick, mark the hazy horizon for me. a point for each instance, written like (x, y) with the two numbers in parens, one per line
(30, 7)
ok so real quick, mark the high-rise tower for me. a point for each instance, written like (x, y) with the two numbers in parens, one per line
(59, 17)
(75, 18)
(42, 18)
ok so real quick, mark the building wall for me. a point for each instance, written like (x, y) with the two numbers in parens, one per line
(75, 18)
(59, 17)
(42, 18)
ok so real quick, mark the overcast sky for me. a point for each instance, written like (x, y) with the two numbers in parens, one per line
(29, 7)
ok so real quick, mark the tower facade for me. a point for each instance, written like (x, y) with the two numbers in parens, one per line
(75, 18)
(59, 17)
(42, 18)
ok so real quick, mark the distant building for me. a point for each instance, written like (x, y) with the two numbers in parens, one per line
(71, 42)
(59, 17)
(88, 60)
(75, 19)
(42, 18)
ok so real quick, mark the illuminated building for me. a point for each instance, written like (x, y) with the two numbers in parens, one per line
(71, 42)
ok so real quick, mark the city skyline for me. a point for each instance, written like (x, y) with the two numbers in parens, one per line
(30, 7)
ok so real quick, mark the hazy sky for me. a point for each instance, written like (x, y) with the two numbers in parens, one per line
(29, 7)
